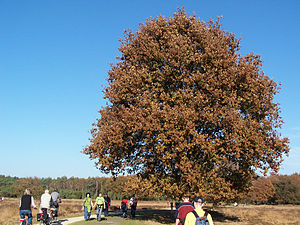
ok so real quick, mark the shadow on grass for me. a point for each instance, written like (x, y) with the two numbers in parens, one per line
(58, 222)
(221, 217)
(168, 217)
(157, 215)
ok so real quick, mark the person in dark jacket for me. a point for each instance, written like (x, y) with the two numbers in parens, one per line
(133, 204)
(107, 204)
(26, 202)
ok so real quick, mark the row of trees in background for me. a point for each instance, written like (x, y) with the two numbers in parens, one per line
(69, 188)
(275, 189)
(280, 189)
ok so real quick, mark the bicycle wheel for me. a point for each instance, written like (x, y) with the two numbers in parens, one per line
(23, 222)
(50, 219)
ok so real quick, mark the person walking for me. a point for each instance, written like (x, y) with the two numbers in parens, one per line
(183, 209)
(26, 202)
(107, 204)
(99, 206)
(176, 204)
(133, 204)
(171, 205)
(198, 214)
(124, 207)
(87, 206)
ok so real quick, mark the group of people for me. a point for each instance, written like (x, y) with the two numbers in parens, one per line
(191, 214)
(124, 206)
(186, 212)
(101, 203)
(47, 201)
(52, 200)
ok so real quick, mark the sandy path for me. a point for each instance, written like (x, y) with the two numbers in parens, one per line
(70, 220)
(78, 218)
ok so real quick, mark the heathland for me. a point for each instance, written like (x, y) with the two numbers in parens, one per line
(158, 213)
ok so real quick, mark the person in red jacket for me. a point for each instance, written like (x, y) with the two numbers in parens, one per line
(183, 209)
(124, 207)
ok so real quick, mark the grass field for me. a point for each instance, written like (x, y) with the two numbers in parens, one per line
(158, 213)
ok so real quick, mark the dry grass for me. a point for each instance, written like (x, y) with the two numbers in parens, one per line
(9, 210)
(264, 215)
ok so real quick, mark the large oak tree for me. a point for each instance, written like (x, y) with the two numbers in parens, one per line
(187, 111)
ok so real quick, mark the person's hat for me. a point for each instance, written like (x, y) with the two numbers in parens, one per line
(199, 198)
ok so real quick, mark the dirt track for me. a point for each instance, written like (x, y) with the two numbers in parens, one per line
(70, 220)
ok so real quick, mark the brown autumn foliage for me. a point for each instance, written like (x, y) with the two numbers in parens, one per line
(142, 188)
(187, 111)
(34, 183)
(287, 188)
(262, 191)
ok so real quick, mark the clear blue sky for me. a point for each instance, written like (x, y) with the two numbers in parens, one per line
(55, 55)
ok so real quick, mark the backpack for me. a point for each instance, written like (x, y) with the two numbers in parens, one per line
(134, 201)
(53, 203)
(123, 206)
(201, 220)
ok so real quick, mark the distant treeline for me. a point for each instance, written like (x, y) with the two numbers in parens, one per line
(69, 188)
(275, 189)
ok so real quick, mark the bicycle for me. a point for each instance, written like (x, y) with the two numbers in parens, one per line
(53, 214)
(43, 217)
(23, 221)
(23, 215)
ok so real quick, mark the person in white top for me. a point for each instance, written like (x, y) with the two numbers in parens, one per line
(45, 201)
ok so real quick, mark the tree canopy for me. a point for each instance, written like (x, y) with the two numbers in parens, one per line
(187, 112)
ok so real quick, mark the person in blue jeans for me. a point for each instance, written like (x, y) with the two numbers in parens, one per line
(99, 206)
(87, 206)
(26, 202)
